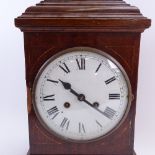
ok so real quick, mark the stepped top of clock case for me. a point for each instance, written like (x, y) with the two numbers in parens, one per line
(83, 15)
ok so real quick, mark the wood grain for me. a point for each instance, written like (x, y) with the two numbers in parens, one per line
(86, 15)
(124, 47)
(111, 154)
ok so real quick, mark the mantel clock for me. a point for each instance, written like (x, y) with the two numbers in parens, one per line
(81, 75)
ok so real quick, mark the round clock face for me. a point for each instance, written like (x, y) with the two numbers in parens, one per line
(81, 94)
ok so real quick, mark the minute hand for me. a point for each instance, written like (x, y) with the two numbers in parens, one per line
(81, 97)
(93, 106)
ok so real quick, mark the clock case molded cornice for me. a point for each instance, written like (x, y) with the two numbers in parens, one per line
(82, 16)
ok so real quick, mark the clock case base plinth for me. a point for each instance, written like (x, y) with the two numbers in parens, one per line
(40, 154)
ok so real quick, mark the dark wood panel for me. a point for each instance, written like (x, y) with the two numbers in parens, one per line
(122, 46)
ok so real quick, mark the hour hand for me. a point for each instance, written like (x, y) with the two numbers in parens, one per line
(65, 84)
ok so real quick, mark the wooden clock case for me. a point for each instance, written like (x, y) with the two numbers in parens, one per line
(108, 25)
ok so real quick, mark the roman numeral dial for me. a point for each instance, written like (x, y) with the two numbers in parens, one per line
(81, 95)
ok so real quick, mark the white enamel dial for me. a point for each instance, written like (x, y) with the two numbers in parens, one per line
(81, 95)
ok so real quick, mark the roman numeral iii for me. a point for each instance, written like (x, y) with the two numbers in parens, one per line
(114, 96)
(81, 64)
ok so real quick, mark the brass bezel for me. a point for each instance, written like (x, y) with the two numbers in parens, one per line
(93, 50)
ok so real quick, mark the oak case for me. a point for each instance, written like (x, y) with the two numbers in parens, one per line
(47, 33)
(125, 54)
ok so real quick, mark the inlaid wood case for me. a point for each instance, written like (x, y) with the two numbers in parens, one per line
(112, 26)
